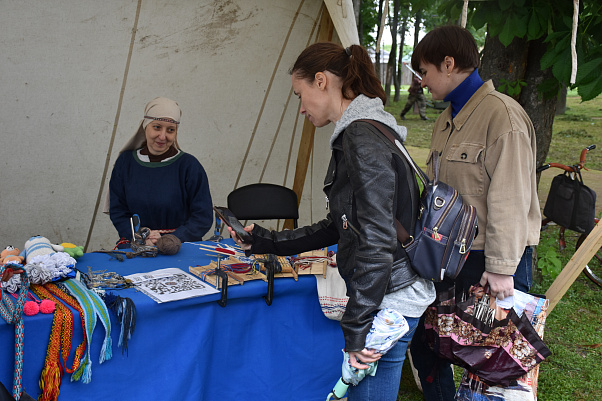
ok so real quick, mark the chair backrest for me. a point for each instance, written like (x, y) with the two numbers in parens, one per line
(264, 202)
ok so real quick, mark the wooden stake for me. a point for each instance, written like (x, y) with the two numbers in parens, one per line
(569, 274)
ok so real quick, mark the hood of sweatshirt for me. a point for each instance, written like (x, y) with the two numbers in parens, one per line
(363, 107)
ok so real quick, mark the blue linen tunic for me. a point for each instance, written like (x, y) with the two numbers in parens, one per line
(172, 194)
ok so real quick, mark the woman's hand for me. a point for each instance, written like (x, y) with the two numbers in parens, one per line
(8, 273)
(153, 237)
(243, 245)
(358, 359)
(500, 285)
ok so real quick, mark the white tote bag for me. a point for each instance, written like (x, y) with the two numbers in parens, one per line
(332, 293)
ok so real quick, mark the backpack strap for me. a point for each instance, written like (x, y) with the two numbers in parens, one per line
(385, 131)
(403, 236)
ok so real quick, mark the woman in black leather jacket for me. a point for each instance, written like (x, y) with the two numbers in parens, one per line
(367, 187)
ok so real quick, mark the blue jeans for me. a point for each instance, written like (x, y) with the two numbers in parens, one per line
(384, 386)
(436, 375)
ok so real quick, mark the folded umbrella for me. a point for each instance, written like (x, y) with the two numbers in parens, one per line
(387, 328)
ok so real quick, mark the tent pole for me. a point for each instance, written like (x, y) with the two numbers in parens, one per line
(307, 135)
(116, 122)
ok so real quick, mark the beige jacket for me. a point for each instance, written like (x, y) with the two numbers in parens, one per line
(488, 154)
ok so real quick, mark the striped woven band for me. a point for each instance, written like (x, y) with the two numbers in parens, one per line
(13, 314)
(52, 374)
(91, 302)
(167, 120)
(81, 348)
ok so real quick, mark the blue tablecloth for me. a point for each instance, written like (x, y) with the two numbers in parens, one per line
(195, 349)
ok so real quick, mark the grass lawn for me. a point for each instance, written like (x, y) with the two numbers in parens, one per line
(574, 328)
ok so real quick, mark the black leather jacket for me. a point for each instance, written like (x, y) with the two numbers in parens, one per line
(366, 185)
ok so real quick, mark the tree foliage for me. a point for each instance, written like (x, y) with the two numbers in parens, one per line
(369, 22)
(550, 20)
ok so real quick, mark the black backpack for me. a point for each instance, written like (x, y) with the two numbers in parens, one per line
(446, 225)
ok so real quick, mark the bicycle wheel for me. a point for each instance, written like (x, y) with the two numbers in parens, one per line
(593, 270)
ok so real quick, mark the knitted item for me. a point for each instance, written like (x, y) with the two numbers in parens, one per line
(34, 306)
(43, 269)
(47, 306)
(168, 244)
(12, 284)
(12, 313)
(38, 245)
(31, 308)
(10, 255)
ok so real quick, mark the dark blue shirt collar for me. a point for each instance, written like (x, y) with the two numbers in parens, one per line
(463, 92)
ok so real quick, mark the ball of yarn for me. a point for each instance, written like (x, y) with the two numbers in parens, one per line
(168, 244)
(31, 308)
(47, 306)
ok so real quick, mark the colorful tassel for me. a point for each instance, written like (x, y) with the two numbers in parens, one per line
(125, 310)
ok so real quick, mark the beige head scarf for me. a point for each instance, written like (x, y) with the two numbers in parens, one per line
(160, 108)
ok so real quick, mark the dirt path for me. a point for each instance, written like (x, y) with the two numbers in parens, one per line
(591, 178)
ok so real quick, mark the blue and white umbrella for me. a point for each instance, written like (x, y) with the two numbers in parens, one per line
(388, 327)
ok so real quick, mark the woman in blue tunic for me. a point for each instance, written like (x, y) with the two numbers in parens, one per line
(153, 178)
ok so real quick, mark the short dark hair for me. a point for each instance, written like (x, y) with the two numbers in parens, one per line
(449, 40)
(352, 64)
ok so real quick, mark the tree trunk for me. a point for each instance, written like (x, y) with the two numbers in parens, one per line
(402, 42)
(393, 54)
(561, 105)
(377, 53)
(540, 109)
(500, 63)
(417, 27)
(521, 61)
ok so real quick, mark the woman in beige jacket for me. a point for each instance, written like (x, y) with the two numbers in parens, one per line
(487, 147)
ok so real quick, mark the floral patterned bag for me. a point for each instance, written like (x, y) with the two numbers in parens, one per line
(488, 340)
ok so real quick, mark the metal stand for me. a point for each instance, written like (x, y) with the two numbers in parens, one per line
(269, 269)
(221, 281)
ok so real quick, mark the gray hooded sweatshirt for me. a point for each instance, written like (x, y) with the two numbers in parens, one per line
(410, 301)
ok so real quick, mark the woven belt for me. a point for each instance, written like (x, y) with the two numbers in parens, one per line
(93, 306)
(13, 314)
(66, 348)
(60, 335)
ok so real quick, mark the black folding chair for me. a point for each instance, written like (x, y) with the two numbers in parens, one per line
(264, 202)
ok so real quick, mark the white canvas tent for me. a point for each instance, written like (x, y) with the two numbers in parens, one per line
(76, 76)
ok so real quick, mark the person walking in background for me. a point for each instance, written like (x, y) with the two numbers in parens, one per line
(416, 96)
(488, 153)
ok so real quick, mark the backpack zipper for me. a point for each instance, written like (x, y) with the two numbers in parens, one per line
(347, 224)
(466, 228)
(442, 218)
